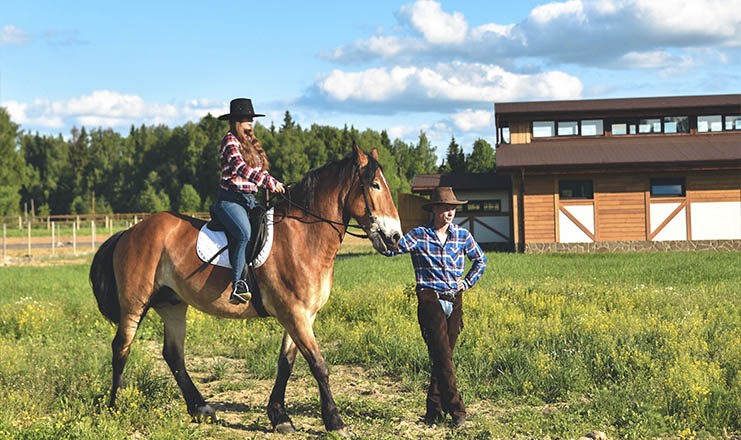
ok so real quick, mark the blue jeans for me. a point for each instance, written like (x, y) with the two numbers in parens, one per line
(232, 211)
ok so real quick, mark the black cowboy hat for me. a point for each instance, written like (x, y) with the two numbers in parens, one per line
(240, 108)
(443, 195)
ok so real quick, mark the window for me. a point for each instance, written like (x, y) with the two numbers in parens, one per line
(592, 127)
(667, 187)
(649, 126)
(568, 128)
(543, 128)
(481, 206)
(733, 122)
(621, 128)
(676, 124)
(709, 123)
(575, 189)
(504, 135)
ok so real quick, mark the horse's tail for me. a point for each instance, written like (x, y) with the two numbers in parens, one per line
(103, 279)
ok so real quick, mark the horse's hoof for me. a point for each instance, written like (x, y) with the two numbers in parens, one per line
(342, 432)
(284, 428)
(204, 414)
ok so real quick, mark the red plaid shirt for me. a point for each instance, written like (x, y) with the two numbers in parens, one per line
(236, 175)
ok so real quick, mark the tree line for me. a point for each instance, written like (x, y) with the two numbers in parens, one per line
(157, 168)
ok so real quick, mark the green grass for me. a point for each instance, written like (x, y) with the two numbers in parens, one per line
(638, 345)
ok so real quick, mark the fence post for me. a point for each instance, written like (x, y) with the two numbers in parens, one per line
(53, 243)
(29, 236)
(92, 228)
(74, 240)
(20, 223)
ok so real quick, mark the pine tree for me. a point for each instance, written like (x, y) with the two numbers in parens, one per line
(12, 172)
(455, 161)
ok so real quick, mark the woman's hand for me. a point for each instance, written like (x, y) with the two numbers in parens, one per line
(279, 188)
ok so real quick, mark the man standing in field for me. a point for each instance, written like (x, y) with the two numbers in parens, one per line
(438, 249)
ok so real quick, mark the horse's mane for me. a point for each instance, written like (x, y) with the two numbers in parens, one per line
(306, 190)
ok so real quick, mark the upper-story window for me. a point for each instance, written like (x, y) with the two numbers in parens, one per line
(587, 127)
(733, 122)
(649, 126)
(504, 136)
(621, 128)
(709, 123)
(543, 128)
(592, 127)
(568, 128)
(676, 124)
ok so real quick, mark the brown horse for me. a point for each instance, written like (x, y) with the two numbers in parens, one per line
(154, 265)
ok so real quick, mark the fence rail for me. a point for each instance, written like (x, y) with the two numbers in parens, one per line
(30, 237)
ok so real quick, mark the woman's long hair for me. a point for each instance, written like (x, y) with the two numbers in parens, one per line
(250, 147)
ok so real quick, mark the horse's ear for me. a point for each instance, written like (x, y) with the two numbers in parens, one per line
(360, 158)
(374, 153)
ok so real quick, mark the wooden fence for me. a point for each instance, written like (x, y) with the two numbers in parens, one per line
(30, 237)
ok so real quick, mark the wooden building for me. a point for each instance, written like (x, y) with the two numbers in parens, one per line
(488, 211)
(623, 174)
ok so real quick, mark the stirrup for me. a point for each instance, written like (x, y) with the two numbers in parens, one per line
(240, 293)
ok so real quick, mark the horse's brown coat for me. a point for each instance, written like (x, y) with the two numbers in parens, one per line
(154, 264)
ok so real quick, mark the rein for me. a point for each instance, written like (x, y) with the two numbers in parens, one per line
(373, 223)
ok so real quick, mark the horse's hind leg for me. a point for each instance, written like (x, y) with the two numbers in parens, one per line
(121, 347)
(276, 406)
(173, 317)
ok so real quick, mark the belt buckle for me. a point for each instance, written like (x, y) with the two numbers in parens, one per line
(446, 297)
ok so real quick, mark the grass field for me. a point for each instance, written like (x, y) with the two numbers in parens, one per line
(554, 346)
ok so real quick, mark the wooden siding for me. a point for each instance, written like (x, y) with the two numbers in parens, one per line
(519, 132)
(411, 213)
(718, 186)
(621, 207)
(539, 210)
(622, 202)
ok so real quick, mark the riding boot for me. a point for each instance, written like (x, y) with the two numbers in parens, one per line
(240, 293)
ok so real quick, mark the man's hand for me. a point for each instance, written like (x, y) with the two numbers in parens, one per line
(460, 285)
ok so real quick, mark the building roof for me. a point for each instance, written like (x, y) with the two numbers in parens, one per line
(424, 183)
(721, 148)
(517, 110)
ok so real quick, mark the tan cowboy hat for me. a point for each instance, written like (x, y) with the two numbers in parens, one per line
(443, 195)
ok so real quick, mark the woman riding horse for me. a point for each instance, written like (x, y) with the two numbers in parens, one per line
(154, 265)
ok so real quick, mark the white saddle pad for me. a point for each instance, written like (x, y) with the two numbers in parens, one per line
(210, 242)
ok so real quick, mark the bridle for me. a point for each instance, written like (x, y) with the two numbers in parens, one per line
(372, 225)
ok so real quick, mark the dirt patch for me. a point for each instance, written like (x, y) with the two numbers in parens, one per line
(371, 406)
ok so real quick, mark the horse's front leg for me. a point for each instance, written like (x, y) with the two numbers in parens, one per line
(276, 407)
(303, 336)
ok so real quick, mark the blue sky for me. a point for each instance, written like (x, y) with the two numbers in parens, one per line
(436, 66)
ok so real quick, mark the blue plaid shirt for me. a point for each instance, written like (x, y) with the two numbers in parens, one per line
(439, 266)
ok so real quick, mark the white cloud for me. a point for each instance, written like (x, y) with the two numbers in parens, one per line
(473, 120)
(11, 35)
(106, 108)
(443, 87)
(437, 27)
(717, 19)
(582, 32)
(657, 59)
(558, 10)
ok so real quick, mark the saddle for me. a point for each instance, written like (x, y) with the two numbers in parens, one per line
(260, 234)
